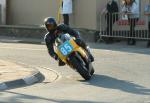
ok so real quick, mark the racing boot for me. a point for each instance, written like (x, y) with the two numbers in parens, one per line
(61, 63)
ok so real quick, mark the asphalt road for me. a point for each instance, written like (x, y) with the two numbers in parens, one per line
(122, 76)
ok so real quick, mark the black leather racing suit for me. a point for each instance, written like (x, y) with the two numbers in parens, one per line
(52, 35)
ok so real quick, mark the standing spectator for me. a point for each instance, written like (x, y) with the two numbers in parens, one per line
(66, 10)
(131, 8)
(111, 11)
(147, 13)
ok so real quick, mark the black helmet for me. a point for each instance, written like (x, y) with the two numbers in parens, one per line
(50, 23)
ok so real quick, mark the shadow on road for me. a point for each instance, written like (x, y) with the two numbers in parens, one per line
(113, 83)
(19, 97)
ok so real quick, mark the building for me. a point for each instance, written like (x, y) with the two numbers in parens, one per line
(86, 13)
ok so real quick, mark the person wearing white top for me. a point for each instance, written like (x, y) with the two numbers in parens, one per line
(66, 10)
(131, 8)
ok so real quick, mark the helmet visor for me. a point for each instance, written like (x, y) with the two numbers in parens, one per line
(50, 26)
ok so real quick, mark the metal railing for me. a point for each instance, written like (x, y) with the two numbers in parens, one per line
(119, 25)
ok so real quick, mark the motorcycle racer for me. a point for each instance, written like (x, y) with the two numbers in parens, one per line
(53, 30)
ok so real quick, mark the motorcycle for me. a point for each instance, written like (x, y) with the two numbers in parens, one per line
(73, 55)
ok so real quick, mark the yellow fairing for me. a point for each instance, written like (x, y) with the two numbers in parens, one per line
(76, 48)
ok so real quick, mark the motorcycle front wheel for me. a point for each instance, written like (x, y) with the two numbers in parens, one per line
(81, 68)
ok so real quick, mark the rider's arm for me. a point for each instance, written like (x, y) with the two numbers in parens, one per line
(49, 44)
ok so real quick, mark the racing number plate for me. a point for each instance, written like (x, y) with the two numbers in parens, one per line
(66, 48)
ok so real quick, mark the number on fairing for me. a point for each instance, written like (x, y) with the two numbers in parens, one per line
(63, 51)
(66, 48)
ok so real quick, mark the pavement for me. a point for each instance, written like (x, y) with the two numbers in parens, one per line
(14, 75)
(8, 39)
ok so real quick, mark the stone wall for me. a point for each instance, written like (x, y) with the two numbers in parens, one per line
(38, 32)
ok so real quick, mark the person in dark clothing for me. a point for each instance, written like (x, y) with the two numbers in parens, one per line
(148, 44)
(111, 16)
(147, 13)
(53, 31)
(66, 19)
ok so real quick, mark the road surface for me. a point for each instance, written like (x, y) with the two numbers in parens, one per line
(122, 76)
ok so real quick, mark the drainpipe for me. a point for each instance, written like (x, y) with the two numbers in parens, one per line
(0, 14)
(3, 12)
